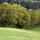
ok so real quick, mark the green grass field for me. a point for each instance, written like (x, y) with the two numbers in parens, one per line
(18, 34)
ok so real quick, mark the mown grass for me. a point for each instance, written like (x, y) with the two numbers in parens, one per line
(18, 34)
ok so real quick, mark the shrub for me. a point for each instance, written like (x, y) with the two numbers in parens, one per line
(35, 16)
(22, 16)
(14, 15)
(5, 12)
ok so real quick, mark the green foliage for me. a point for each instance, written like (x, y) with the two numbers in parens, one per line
(22, 16)
(16, 16)
(35, 16)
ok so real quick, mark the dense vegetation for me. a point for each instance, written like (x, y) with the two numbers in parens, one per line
(31, 5)
(17, 16)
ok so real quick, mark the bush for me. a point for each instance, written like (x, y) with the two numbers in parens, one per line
(22, 16)
(14, 15)
(5, 12)
(35, 16)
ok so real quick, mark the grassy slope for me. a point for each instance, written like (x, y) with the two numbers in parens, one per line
(18, 34)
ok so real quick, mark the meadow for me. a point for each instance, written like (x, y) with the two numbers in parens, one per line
(18, 34)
